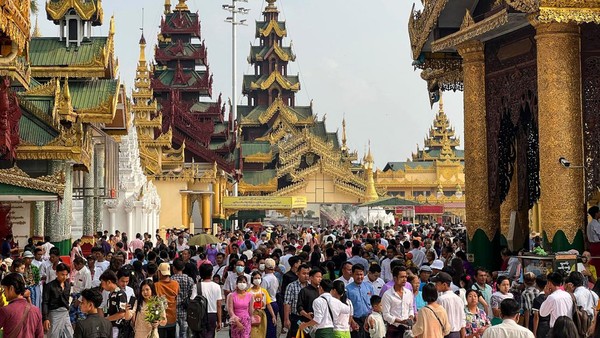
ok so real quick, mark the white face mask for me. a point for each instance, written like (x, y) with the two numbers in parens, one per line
(261, 267)
(242, 286)
(256, 281)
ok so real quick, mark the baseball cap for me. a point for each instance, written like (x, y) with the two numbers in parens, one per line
(437, 265)
(27, 254)
(442, 277)
(164, 269)
(270, 263)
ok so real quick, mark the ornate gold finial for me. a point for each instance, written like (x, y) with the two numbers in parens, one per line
(441, 103)
(142, 48)
(36, 31)
(182, 6)
(369, 157)
(111, 29)
(271, 3)
(66, 91)
(167, 6)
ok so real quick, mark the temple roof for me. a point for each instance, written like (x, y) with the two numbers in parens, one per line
(34, 130)
(50, 51)
(93, 93)
(251, 148)
(252, 114)
(89, 10)
(263, 82)
(264, 28)
(260, 53)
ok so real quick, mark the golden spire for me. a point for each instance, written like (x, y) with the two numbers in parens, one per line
(142, 49)
(111, 26)
(182, 6)
(167, 6)
(66, 91)
(370, 191)
(36, 31)
(344, 146)
(441, 103)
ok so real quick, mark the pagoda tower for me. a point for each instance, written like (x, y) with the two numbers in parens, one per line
(182, 83)
(284, 149)
(441, 142)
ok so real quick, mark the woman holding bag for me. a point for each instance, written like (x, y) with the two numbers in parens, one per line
(432, 320)
(261, 301)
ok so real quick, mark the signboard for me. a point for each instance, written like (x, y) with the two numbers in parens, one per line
(20, 217)
(264, 203)
(564, 263)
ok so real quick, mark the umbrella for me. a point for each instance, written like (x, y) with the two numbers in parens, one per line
(203, 239)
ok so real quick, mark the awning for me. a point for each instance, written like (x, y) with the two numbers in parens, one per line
(17, 186)
(389, 202)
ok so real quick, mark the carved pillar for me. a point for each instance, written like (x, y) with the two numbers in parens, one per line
(217, 214)
(129, 211)
(185, 210)
(113, 220)
(206, 219)
(482, 223)
(99, 185)
(38, 220)
(510, 205)
(58, 216)
(88, 201)
(560, 134)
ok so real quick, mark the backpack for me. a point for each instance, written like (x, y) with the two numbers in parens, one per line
(197, 312)
(582, 319)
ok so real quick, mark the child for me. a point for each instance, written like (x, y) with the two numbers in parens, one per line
(375, 320)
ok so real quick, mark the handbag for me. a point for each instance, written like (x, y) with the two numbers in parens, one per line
(256, 319)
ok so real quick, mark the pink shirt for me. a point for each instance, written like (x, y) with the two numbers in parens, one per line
(136, 244)
(10, 317)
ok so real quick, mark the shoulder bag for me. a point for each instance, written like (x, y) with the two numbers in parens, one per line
(19, 327)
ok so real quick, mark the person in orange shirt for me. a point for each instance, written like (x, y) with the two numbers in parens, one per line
(168, 288)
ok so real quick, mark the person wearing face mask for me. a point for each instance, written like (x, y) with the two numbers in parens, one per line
(230, 282)
(261, 302)
(211, 253)
(271, 284)
(239, 306)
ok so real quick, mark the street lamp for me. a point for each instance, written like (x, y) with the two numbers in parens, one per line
(234, 10)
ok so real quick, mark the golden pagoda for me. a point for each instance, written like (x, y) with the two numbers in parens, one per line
(433, 176)
(284, 149)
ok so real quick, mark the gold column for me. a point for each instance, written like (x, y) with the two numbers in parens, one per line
(560, 128)
(206, 217)
(479, 215)
(185, 215)
(217, 186)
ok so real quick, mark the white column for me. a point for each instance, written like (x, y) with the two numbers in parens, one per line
(113, 219)
(129, 212)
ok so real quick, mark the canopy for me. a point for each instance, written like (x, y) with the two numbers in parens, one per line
(389, 202)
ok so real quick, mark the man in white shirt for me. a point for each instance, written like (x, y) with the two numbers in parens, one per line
(346, 276)
(231, 281)
(271, 284)
(454, 306)
(181, 243)
(214, 296)
(593, 234)
(418, 255)
(220, 267)
(323, 315)
(559, 302)
(37, 258)
(289, 252)
(373, 278)
(100, 265)
(397, 304)
(82, 278)
(509, 328)
(585, 298)
(386, 271)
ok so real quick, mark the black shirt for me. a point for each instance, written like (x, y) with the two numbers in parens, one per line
(288, 278)
(54, 297)
(94, 326)
(306, 297)
(117, 302)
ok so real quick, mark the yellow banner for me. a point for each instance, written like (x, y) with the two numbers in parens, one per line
(264, 203)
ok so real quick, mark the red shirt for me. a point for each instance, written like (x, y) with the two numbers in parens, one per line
(10, 317)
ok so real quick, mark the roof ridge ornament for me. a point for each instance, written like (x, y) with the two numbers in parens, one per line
(467, 20)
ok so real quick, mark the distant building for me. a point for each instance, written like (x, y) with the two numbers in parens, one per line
(434, 176)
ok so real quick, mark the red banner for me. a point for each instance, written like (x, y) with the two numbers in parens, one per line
(429, 209)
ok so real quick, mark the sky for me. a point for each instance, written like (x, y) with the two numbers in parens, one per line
(353, 58)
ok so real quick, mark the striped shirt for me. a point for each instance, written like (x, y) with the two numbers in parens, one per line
(186, 285)
(291, 296)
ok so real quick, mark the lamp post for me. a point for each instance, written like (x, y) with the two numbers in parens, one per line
(234, 10)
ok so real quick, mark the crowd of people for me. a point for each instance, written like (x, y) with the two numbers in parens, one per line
(377, 282)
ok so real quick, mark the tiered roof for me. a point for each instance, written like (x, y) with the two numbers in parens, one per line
(283, 144)
(181, 83)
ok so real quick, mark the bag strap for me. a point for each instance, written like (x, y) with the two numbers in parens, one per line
(436, 317)
(199, 288)
(329, 308)
(19, 326)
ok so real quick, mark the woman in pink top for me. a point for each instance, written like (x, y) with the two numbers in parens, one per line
(239, 306)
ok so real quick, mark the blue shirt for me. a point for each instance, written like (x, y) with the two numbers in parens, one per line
(360, 296)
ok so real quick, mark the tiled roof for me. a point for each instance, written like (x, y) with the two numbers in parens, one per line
(35, 131)
(259, 177)
(49, 51)
(250, 148)
(92, 93)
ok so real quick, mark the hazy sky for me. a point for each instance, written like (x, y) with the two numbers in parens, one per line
(353, 58)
